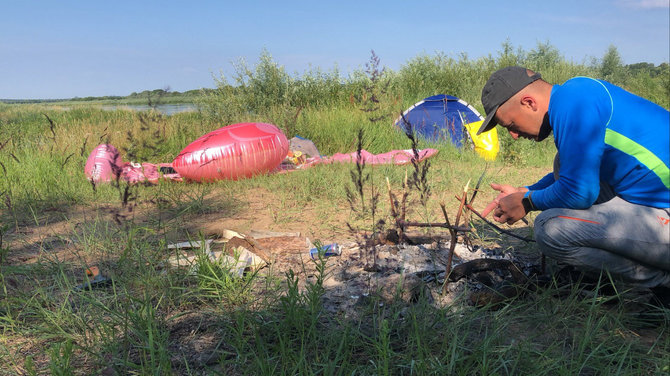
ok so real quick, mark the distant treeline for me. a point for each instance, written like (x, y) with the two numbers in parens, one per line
(651, 69)
(26, 101)
(267, 85)
(165, 95)
(162, 95)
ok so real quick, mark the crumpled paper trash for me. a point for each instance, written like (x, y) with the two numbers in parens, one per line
(236, 255)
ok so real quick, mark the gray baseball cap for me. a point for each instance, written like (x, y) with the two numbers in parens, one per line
(500, 87)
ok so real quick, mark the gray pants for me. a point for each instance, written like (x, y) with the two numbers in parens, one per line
(630, 241)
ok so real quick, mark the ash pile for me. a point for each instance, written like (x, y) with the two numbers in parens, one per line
(388, 273)
(353, 275)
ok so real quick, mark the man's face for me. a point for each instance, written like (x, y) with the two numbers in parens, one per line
(520, 120)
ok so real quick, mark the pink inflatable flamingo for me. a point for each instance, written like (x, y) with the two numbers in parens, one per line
(232, 152)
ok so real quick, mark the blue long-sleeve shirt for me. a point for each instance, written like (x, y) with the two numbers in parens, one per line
(604, 133)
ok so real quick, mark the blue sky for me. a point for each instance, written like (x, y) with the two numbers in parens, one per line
(63, 49)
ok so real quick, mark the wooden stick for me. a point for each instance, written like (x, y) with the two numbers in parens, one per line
(454, 239)
(394, 213)
(404, 198)
(444, 212)
(479, 183)
(460, 207)
(388, 185)
(475, 191)
(496, 227)
(436, 224)
(544, 258)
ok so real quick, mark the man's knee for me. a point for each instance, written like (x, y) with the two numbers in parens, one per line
(551, 236)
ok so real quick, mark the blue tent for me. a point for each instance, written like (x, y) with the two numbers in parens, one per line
(440, 118)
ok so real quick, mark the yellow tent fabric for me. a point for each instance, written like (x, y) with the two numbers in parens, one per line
(486, 144)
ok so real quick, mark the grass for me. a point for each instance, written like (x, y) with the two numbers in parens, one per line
(155, 319)
(130, 329)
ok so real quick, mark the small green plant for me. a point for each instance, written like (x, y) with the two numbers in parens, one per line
(3, 250)
(145, 331)
(383, 347)
(419, 177)
(374, 90)
(61, 356)
(222, 279)
(315, 290)
(29, 366)
(368, 240)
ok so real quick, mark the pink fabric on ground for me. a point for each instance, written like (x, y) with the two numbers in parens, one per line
(136, 173)
(397, 157)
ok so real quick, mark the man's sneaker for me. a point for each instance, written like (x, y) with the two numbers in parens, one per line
(656, 311)
(588, 283)
(660, 297)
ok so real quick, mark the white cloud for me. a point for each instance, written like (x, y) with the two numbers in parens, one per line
(646, 4)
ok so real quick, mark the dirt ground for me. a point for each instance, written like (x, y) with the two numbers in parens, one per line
(283, 237)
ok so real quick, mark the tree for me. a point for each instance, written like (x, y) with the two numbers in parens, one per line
(508, 57)
(611, 66)
(543, 57)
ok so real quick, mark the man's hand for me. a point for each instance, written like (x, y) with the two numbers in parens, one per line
(508, 206)
(510, 209)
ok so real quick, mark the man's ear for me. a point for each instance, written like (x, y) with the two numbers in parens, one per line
(529, 102)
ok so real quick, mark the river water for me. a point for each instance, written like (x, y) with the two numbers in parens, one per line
(166, 109)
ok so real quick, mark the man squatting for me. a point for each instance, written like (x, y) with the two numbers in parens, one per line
(606, 205)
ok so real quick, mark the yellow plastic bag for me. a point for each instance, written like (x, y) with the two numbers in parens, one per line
(486, 144)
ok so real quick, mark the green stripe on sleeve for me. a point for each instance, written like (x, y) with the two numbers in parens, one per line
(646, 157)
